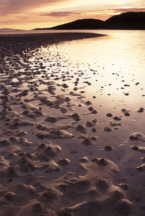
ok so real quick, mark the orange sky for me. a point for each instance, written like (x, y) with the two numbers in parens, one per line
(30, 14)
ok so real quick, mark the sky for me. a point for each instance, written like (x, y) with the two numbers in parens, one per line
(29, 14)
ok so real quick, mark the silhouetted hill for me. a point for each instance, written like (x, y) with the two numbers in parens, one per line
(79, 24)
(82, 24)
(129, 20)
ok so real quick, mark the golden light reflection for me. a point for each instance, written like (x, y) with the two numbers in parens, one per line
(113, 58)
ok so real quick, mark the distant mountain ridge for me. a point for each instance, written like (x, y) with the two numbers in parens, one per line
(128, 20)
(8, 29)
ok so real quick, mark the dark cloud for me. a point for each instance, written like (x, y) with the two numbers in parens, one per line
(60, 13)
(17, 6)
(123, 10)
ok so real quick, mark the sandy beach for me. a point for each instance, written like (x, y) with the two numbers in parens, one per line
(62, 154)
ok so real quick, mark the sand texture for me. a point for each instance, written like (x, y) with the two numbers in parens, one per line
(56, 158)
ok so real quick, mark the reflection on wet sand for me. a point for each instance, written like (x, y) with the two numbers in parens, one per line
(68, 129)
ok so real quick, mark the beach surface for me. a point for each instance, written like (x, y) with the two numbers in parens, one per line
(69, 144)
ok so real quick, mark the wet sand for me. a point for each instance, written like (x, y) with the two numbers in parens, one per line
(56, 159)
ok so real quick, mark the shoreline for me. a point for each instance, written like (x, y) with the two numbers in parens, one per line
(58, 36)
